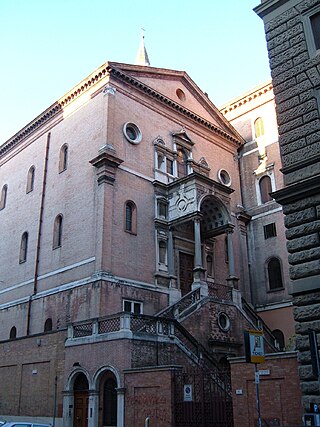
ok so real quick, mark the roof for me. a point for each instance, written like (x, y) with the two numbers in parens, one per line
(129, 74)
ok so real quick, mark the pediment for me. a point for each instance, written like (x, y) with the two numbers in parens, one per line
(183, 137)
(179, 89)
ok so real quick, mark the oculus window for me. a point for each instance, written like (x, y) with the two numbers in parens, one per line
(132, 133)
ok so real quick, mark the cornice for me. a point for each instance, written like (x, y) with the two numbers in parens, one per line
(120, 75)
(268, 6)
(105, 70)
(31, 127)
(297, 191)
(250, 96)
(55, 108)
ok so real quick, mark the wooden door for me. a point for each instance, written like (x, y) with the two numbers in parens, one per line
(186, 264)
(80, 409)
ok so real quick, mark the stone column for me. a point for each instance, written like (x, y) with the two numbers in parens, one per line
(198, 271)
(175, 294)
(120, 407)
(232, 279)
(93, 409)
(68, 408)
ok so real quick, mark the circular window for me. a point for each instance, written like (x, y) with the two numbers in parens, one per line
(132, 133)
(181, 95)
(223, 321)
(224, 177)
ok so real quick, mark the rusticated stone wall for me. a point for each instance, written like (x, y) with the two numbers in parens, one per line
(295, 69)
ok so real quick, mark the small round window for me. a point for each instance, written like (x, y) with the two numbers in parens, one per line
(223, 321)
(132, 133)
(180, 94)
(224, 177)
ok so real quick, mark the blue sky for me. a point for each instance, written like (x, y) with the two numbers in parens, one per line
(48, 46)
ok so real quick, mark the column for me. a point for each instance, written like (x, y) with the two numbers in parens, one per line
(175, 293)
(93, 409)
(171, 266)
(232, 279)
(197, 244)
(68, 409)
(198, 271)
(120, 407)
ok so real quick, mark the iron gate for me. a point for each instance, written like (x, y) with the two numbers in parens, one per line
(202, 400)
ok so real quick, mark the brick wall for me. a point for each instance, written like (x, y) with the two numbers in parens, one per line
(280, 396)
(37, 361)
(149, 394)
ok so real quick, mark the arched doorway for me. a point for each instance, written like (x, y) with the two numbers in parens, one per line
(81, 400)
(108, 400)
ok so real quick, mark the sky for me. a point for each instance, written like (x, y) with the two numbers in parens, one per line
(48, 46)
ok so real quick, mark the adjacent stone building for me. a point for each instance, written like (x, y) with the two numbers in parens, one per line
(293, 41)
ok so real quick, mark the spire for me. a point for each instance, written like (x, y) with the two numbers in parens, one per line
(142, 56)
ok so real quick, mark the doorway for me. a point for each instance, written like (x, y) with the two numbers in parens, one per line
(81, 401)
(108, 400)
(186, 264)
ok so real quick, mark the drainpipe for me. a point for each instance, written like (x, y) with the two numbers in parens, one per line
(35, 279)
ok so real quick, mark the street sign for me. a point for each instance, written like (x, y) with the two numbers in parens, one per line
(187, 393)
(254, 346)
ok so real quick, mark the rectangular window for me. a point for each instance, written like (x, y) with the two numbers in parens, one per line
(132, 306)
(315, 26)
(169, 166)
(270, 230)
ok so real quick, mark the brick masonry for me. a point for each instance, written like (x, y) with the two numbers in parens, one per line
(279, 391)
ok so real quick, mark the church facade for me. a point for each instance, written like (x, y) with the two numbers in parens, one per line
(125, 282)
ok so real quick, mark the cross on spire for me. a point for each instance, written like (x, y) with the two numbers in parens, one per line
(142, 55)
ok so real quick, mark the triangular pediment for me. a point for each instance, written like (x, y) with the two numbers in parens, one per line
(179, 88)
(183, 136)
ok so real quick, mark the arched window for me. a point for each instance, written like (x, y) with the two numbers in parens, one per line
(162, 252)
(23, 247)
(130, 217)
(48, 325)
(182, 163)
(259, 127)
(30, 179)
(3, 199)
(265, 189)
(13, 333)
(279, 339)
(274, 274)
(57, 232)
(63, 158)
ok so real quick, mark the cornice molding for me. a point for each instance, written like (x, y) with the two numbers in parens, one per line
(247, 97)
(105, 70)
(120, 75)
(297, 191)
(55, 108)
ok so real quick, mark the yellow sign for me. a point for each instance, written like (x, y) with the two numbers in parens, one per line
(255, 346)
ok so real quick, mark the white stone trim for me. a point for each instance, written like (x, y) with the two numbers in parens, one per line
(266, 213)
(97, 276)
(274, 306)
(138, 174)
(270, 173)
(51, 273)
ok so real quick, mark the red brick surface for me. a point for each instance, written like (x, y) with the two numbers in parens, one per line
(280, 396)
